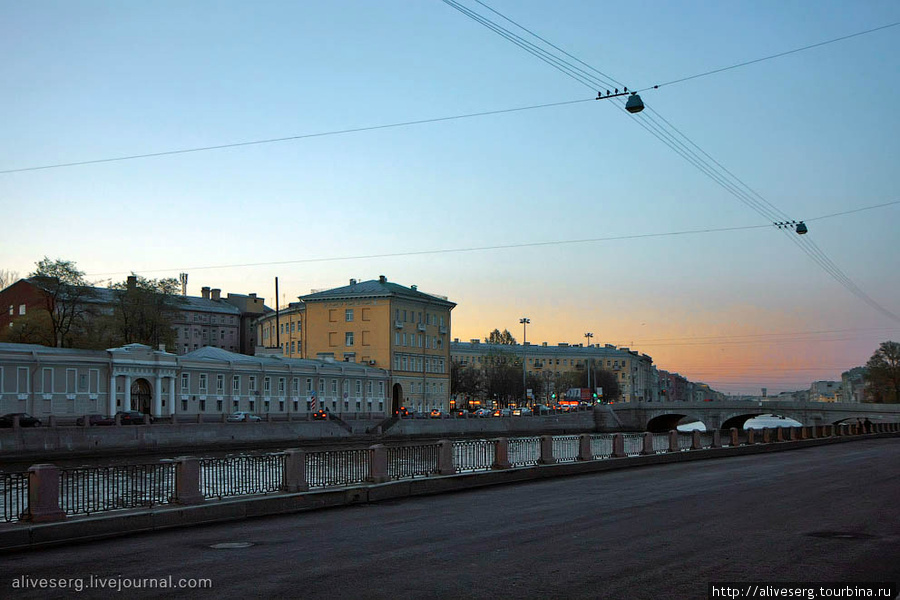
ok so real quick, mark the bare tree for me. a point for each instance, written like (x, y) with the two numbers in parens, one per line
(7, 278)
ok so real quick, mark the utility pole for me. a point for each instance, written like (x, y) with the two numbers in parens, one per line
(524, 321)
(590, 364)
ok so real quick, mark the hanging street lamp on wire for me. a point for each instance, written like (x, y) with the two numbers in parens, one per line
(634, 104)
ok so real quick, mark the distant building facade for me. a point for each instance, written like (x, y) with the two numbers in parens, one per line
(391, 326)
(47, 381)
(208, 320)
(634, 371)
(853, 385)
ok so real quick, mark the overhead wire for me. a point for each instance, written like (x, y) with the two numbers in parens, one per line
(668, 135)
(614, 238)
(770, 57)
(293, 137)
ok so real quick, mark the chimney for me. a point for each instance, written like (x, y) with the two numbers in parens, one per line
(216, 294)
(132, 282)
(352, 282)
(382, 279)
(205, 293)
(253, 295)
(414, 287)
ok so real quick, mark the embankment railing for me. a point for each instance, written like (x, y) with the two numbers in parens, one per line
(48, 493)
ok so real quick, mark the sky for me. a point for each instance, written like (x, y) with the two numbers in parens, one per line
(814, 133)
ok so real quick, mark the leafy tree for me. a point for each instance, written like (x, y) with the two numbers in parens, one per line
(505, 338)
(66, 293)
(883, 379)
(7, 278)
(144, 311)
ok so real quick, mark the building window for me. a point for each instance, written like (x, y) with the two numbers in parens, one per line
(348, 315)
(281, 385)
(220, 384)
(358, 387)
(203, 377)
(267, 385)
(236, 384)
(333, 388)
(21, 309)
(185, 383)
(348, 338)
(309, 385)
(252, 384)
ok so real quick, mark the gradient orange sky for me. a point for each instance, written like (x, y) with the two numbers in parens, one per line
(740, 309)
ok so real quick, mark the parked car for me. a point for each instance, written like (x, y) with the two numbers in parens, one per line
(523, 411)
(320, 415)
(25, 420)
(130, 417)
(482, 412)
(420, 414)
(541, 409)
(95, 420)
(437, 414)
(503, 412)
(459, 413)
(404, 412)
(238, 416)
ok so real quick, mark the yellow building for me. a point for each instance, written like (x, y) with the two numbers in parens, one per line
(283, 330)
(389, 326)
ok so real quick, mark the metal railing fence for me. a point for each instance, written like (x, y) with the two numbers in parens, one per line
(524, 451)
(601, 446)
(474, 455)
(335, 468)
(565, 448)
(660, 443)
(242, 475)
(634, 443)
(13, 495)
(87, 490)
(420, 460)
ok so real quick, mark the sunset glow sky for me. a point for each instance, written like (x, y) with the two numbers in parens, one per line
(815, 133)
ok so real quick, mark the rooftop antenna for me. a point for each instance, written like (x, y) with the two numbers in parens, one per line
(182, 277)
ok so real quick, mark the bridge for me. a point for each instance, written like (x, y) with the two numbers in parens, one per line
(660, 417)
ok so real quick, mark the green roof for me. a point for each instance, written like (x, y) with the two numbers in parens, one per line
(376, 288)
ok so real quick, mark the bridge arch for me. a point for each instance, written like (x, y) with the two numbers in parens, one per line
(669, 421)
(738, 421)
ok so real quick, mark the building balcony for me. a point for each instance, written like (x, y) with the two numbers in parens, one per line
(442, 330)
(398, 324)
(421, 327)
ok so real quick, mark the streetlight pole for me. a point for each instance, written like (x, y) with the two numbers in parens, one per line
(590, 362)
(524, 321)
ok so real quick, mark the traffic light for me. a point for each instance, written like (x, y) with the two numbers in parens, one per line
(553, 395)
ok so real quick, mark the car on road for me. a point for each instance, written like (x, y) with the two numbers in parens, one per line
(95, 420)
(239, 416)
(459, 413)
(541, 409)
(438, 414)
(503, 412)
(524, 411)
(482, 412)
(130, 417)
(25, 420)
(320, 415)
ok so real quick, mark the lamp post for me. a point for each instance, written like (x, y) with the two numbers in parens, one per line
(524, 321)
(590, 362)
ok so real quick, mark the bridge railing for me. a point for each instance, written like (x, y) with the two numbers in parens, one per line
(46, 493)
(13, 495)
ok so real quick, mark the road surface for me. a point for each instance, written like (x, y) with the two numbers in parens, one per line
(818, 514)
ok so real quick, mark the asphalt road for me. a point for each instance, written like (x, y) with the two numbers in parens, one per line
(818, 514)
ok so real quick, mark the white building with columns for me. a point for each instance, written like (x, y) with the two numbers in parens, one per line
(63, 382)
